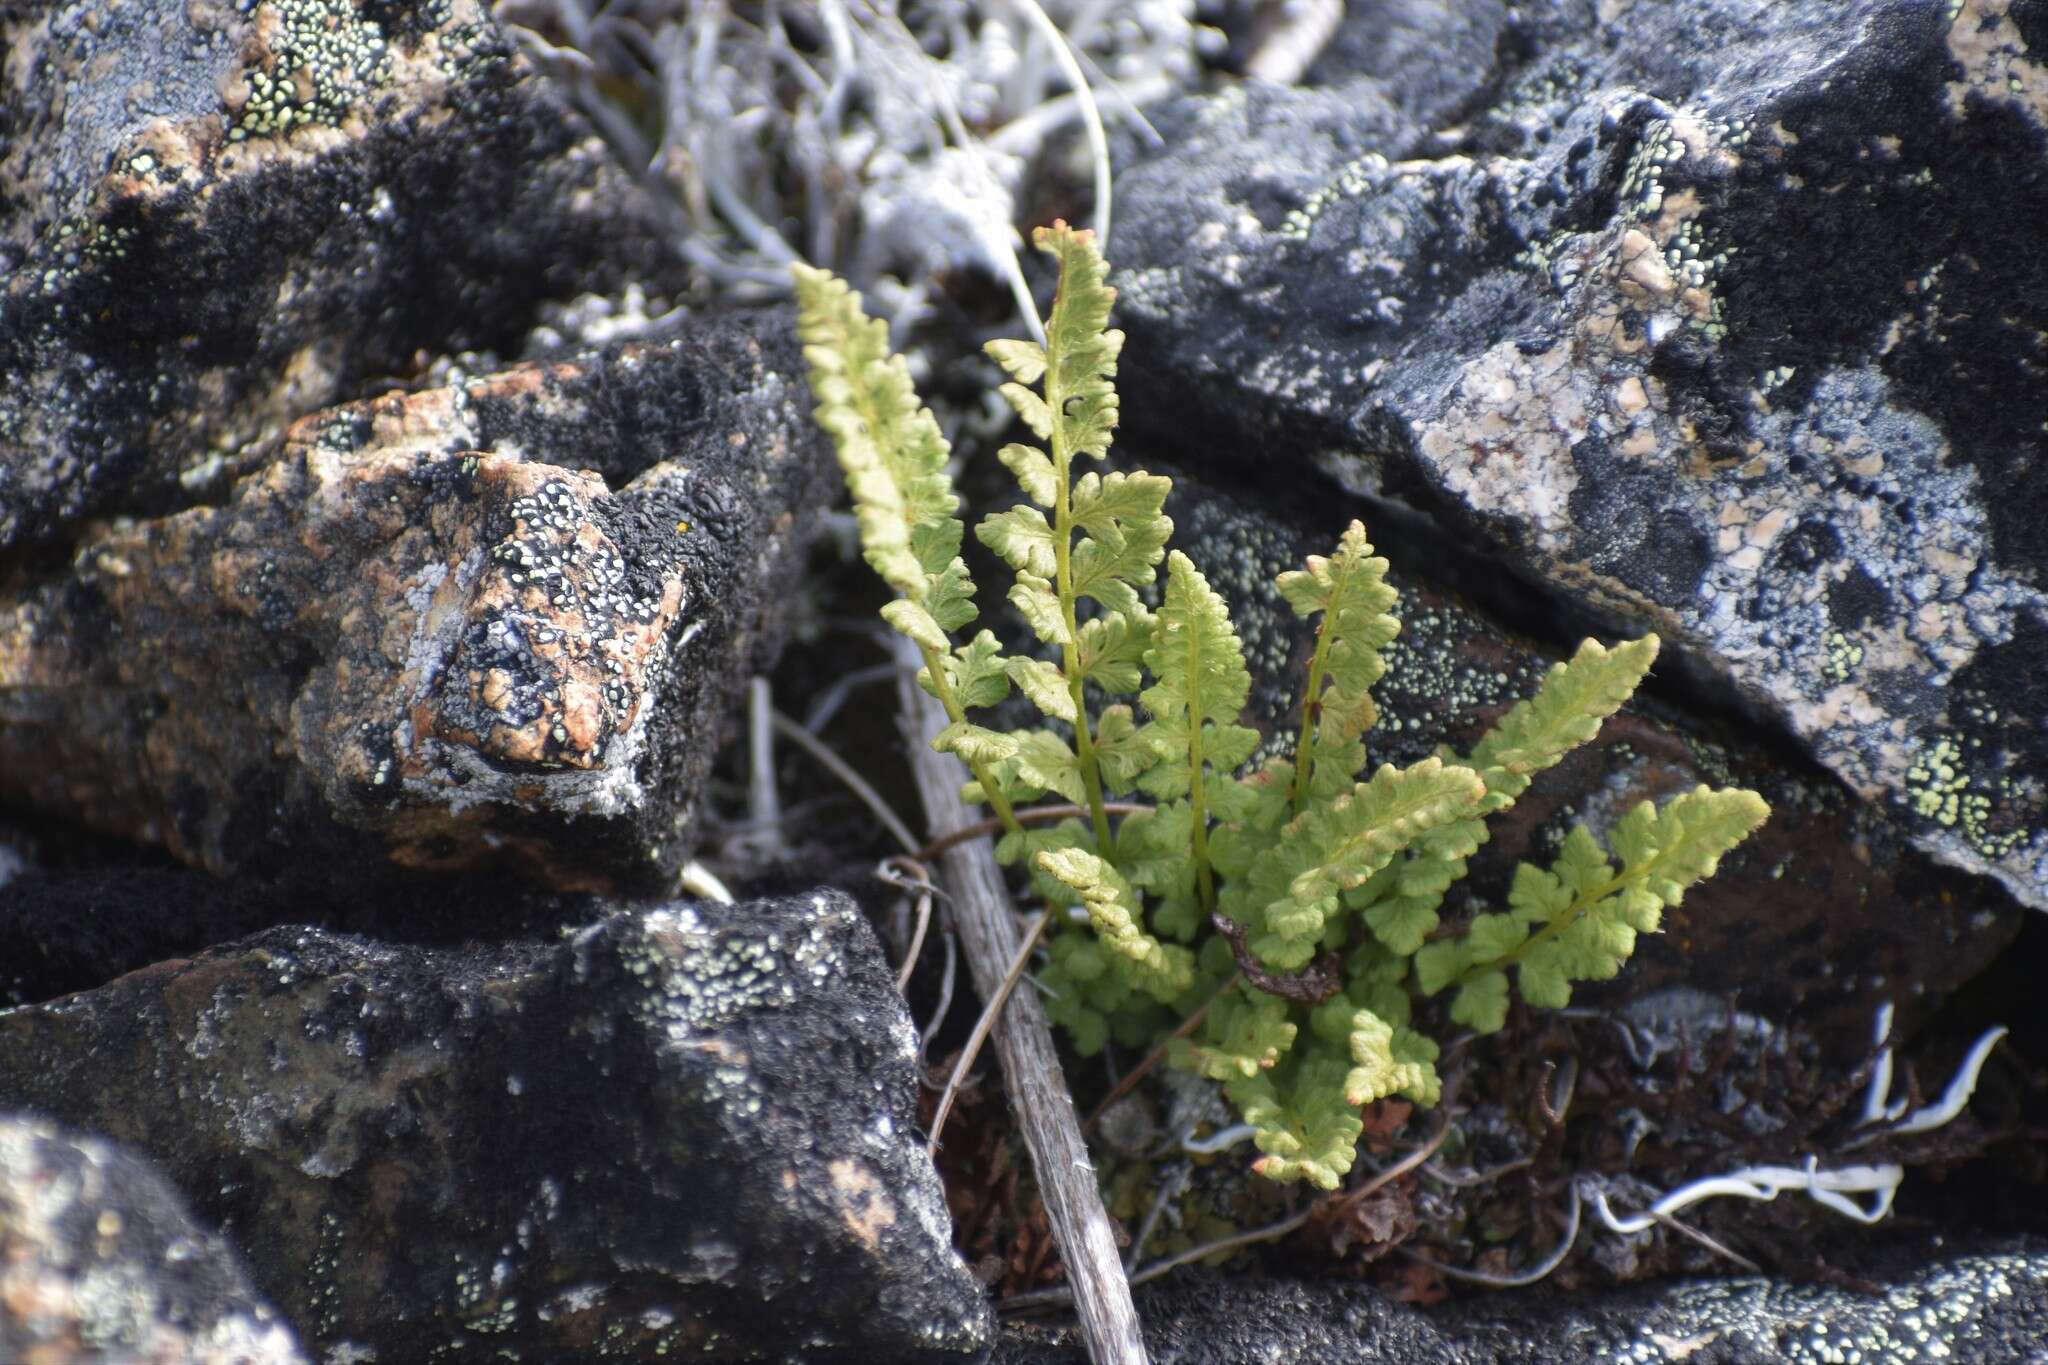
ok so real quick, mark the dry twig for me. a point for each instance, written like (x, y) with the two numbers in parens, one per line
(1045, 1112)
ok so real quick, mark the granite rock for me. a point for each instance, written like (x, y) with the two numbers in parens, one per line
(1724, 318)
(682, 1130)
(494, 623)
(216, 218)
(102, 1264)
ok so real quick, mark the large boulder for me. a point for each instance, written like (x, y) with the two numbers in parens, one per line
(216, 218)
(102, 1264)
(1724, 319)
(686, 1131)
(494, 623)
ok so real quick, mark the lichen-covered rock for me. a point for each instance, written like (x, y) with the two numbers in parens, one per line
(682, 1132)
(216, 218)
(1724, 318)
(497, 622)
(101, 1264)
(1986, 1304)
(1821, 917)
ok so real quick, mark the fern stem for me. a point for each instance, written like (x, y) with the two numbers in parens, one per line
(1198, 794)
(943, 688)
(1311, 708)
(1063, 583)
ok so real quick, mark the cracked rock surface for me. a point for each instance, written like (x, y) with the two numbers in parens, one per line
(684, 1131)
(494, 623)
(215, 218)
(101, 1263)
(1727, 320)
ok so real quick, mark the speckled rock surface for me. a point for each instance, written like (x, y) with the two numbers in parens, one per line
(1981, 1305)
(101, 1264)
(1724, 318)
(494, 623)
(216, 218)
(1825, 914)
(682, 1132)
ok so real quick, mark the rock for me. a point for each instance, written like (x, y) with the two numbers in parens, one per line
(685, 1130)
(1801, 924)
(220, 217)
(71, 928)
(497, 623)
(101, 1264)
(1719, 318)
(1982, 1304)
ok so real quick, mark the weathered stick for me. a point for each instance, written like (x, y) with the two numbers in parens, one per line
(1038, 1091)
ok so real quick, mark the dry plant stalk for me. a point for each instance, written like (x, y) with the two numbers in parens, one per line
(987, 924)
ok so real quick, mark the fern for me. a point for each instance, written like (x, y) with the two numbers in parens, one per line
(1320, 888)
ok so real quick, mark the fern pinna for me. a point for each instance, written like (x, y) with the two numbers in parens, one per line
(1299, 901)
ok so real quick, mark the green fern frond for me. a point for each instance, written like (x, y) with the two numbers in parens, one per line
(1329, 848)
(888, 443)
(1201, 687)
(1350, 591)
(1161, 970)
(1576, 698)
(1246, 1032)
(1578, 920)
(1303, 1123)
(1080, 346)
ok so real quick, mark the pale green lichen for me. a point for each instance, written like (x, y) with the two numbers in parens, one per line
(1940, 787)
(325, 56)
(1843, 656)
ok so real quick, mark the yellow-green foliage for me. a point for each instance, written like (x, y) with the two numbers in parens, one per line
(1319, 886)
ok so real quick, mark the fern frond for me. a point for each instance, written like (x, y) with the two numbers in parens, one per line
(1385, 1060)
(1246, 1032)
(1201, 687)
(888, 443)
(1303, 1123)
(1350, 591)
(1578, 920)
(1122, 529)
(1080, 346)
(1293, 888)
(1576, 698)
(1162, 970)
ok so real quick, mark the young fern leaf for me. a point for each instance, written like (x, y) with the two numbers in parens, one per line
(889, 446)
(1304, 1124)
(1202, 685)
(1350, 591)
(1576, 698)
